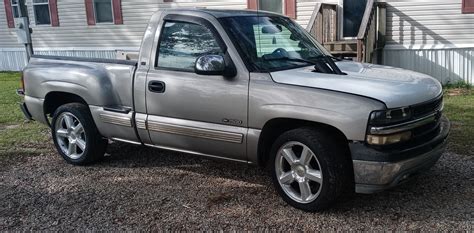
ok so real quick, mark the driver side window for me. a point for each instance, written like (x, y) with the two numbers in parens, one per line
(182, 43)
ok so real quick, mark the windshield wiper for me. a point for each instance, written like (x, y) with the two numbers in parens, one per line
(322, 63)
(328, 56)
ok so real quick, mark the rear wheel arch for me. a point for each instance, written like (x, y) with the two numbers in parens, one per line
(53, 100)
(277, 126)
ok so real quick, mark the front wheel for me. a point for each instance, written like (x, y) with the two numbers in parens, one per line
(76, 136)
(309, 168)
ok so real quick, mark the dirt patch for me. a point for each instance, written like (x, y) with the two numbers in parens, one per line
(458, 91)
(6, 127)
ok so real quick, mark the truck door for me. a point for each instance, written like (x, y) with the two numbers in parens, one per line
(201, 114)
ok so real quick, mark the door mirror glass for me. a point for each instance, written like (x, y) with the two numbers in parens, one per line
(210, 65)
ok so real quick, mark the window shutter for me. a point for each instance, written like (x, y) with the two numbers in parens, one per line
(117, 6)
(467, 6)
(252, 4)
(290, 8)
(90, 12)
(9, 14)
(53, 8)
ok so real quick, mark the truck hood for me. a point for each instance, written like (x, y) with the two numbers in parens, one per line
(394, 86)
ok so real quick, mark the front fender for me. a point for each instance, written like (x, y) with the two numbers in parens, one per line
(346, 112)
(323, 116)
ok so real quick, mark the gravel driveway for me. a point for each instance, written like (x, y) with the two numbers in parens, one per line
(144, 188)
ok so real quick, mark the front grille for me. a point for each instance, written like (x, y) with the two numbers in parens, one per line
(425, 133)
(427, 108)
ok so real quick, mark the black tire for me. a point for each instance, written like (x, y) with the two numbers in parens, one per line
(333, 162)
(95, 144)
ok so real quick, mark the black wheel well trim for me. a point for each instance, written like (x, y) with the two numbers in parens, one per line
(54, 99)
(273, 128)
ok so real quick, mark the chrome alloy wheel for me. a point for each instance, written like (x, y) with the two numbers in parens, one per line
(298, 172)
(70, 135)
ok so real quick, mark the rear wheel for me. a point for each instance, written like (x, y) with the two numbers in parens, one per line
(309, 168)
(75, 135)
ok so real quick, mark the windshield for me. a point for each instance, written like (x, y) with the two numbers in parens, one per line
(271, 43)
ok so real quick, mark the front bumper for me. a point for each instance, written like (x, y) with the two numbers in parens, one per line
(373, 175)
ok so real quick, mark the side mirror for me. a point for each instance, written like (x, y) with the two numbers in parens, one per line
(213, 65)
(210, 65)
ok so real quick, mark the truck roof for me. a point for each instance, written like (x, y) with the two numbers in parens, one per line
(227, 13)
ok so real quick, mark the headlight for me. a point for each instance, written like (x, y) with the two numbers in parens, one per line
(388, 139)
(390, 116)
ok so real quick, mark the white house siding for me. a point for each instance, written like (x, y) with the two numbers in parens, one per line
(429, 36)
(75, 38)
(304, 10)
(432, 37)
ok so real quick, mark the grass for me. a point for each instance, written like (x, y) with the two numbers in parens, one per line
(459, 107)
(16, 134)
(19, 136)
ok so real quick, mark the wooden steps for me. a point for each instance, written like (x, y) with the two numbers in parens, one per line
(367, 47)
(345, 48)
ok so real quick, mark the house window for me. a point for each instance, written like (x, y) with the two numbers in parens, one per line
(467, 6)
(15, 9)
(41, 12)
(287, 7)
(271, 5)
(103, 11)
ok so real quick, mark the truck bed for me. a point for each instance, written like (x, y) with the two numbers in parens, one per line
(100, 82)
(86, 59)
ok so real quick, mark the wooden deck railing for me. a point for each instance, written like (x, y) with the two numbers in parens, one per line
(370, 40)
(323, 22)
(371, 36)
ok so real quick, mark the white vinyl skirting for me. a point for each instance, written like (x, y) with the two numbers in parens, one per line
(15, 59)
(447, 65)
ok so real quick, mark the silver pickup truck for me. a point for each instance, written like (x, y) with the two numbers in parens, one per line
(252, 87)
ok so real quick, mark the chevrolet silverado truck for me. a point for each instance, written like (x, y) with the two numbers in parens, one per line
(251, 87)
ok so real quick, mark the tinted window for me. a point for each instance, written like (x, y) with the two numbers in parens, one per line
(353, 14)
(182, 43)
(41, 9)
(15, 9)
(271, 5)
(103, 11)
